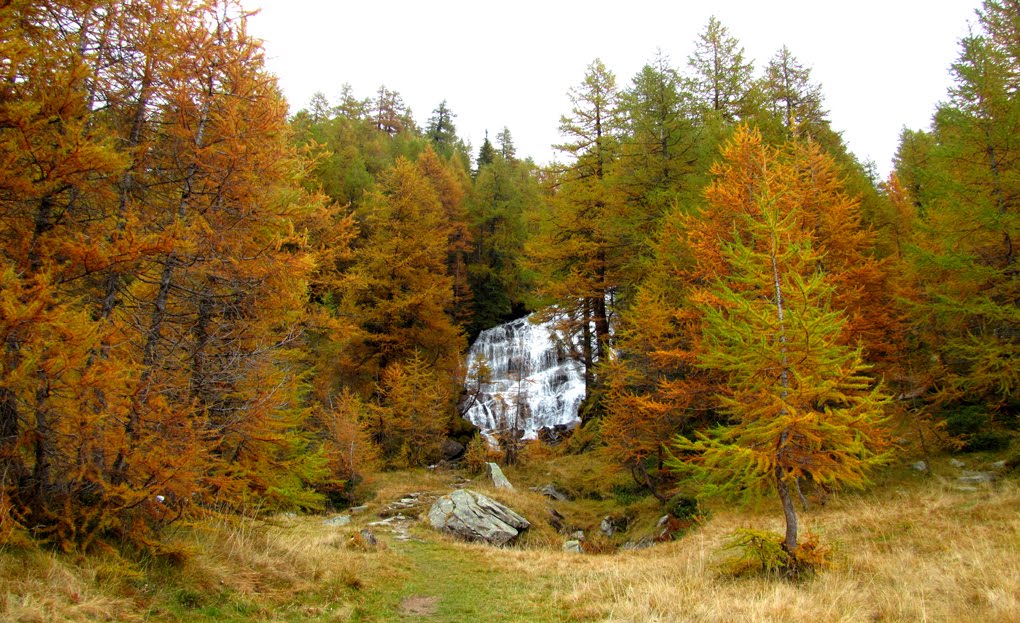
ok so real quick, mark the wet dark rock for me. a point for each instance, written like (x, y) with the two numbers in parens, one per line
(555, 435)
(452, 450)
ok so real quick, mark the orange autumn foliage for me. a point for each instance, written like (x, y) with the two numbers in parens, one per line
(154, 270)
(658, 385)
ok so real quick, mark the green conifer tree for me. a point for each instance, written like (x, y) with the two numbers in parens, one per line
(799, 401)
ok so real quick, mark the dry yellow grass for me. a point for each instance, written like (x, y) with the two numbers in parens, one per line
(915, 550)
(924, 553)
(41, 590)
(385, 487)
(239, 565)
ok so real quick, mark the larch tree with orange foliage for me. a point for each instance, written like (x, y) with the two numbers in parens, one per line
(398, 287)
(817, 199)
(578, 250)
(449, 181)
(154, 271)
(399, 297)
(654, 385)
(799, 402)
(658, 386)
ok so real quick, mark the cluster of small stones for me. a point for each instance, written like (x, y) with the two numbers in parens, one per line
(968, 479)
(398, 516)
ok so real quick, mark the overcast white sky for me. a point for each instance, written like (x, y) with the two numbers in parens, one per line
(883, 64)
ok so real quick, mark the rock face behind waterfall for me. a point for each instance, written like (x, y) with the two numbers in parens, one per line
(532, 379)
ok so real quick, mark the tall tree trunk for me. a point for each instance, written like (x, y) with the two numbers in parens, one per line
(154, 334)
(790, 539)
(41, 469)
(11, 467)
(1000, 198)
(600, 315)
(199, 355)
(127, 184)
(41, 441)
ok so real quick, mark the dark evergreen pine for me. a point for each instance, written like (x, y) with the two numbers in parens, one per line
(486, 153)
(441, 131)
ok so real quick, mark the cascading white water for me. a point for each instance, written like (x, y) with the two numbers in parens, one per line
(533, 382)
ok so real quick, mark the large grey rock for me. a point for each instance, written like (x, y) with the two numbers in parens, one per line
(498, 479)
(472, 516)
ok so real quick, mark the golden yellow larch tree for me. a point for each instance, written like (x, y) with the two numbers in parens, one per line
(155, 268)
(799, 401)
(660, 385)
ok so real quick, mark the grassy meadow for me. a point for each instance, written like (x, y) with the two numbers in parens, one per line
(914, 547)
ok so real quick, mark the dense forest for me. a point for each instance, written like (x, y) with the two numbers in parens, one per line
(208, 305)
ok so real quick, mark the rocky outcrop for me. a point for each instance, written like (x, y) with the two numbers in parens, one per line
(472, 516)
(410, 505)
(555, 519)
(556, 434)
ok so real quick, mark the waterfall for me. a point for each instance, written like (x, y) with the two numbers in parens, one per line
(533, 379)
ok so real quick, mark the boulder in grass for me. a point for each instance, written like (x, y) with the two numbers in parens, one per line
(471, 516)
(499, 480)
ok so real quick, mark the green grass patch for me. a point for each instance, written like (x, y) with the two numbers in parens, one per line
(446, 581)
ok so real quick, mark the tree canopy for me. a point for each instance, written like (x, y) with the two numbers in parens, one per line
(210, 305)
